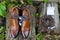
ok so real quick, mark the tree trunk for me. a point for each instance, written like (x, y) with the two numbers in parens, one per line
(32, 26)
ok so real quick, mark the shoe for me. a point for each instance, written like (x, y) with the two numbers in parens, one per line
(25, 28)
(14, 27)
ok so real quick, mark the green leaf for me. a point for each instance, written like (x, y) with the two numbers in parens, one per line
(0, 12)
(3, 14)
(3, 9)
(46, 1)
(11, 5)
(19, 5)
(40, 36)
(2, 29)
(2, 36)
(29, 1)
(37, 14)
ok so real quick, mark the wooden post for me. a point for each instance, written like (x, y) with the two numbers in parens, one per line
(56, 16)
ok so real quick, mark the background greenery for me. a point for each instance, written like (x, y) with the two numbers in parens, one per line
(3, 14)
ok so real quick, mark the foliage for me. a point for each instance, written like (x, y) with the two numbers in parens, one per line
(37, 15)
(46, 1)
(14, 3)
(40, 36)
(2, 29)
(2, 36)
(3, 14)
(28, 1)
(3, 9)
